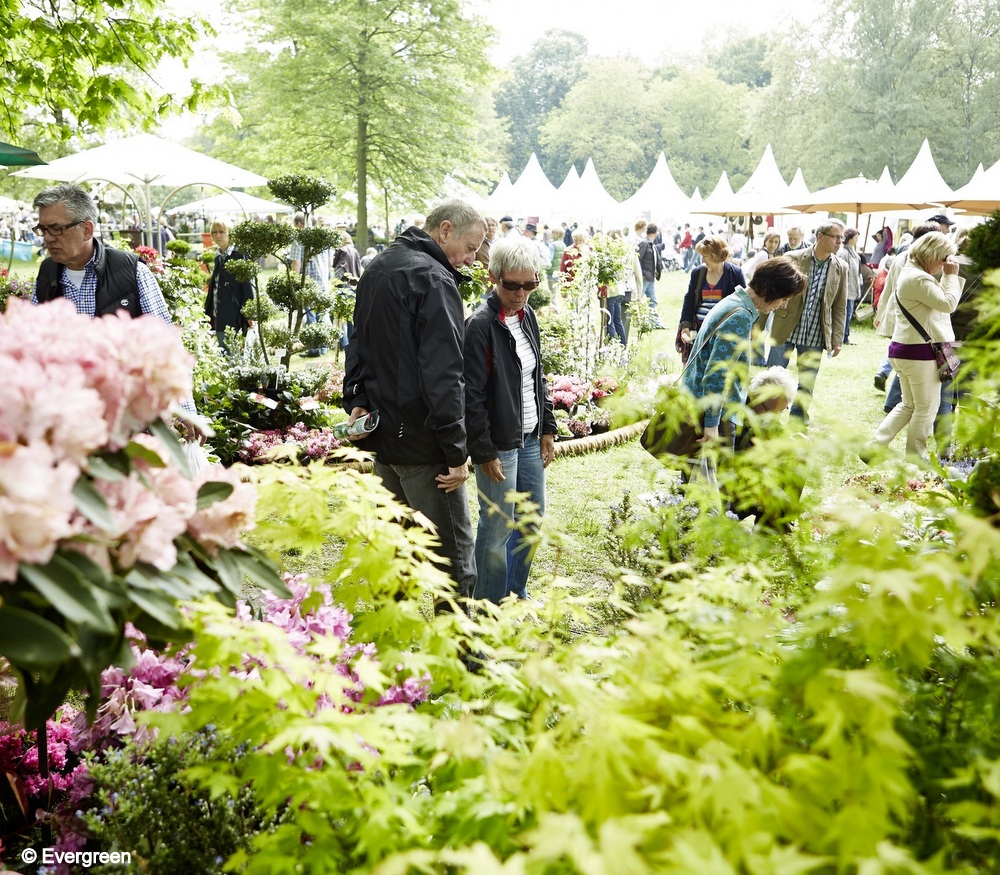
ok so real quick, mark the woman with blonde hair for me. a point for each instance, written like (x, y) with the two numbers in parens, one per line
(716, 279)
(930, 304)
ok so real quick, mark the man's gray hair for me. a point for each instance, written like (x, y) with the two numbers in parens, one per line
(514, 255)
(463, 217)
(831, 225)
(79, 204)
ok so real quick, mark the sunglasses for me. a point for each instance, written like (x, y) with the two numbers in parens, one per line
(512, 286)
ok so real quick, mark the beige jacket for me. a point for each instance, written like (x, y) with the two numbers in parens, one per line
(931, 303)
(834, 313)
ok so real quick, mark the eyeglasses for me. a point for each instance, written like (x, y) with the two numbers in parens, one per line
(833, 236)
(512, 286)
(55, 230)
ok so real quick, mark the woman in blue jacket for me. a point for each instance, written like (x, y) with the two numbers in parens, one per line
(508, 417)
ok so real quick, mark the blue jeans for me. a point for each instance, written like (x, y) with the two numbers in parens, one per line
(885, 368)
(851, 305)
(807, 362)
(415, 486)
(649, 290)
(503, 555)
(616, 328)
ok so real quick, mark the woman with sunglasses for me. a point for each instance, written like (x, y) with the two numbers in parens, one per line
(508, 418)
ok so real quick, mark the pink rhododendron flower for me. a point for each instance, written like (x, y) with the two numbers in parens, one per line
(220, 524)
(36, 505)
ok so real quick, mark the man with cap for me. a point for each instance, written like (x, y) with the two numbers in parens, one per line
(508, 228)
(942, 221)
(544, 253)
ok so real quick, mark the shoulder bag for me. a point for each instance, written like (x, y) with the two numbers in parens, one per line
(944, 355)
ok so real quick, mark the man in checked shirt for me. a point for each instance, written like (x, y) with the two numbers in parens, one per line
(98, 280)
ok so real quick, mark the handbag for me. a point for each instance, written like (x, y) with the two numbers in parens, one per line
(666, 435)
(944, 355)
(864, 310)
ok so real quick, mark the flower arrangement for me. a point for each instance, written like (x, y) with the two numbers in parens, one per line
(101, 525)
(12, 286)
(309, 444)
(607, 260)
(159, 682)
(150, 257)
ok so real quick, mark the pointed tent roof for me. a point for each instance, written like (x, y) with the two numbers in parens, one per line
(588, 199)
(720, 198)
(659, 195)
(696, 199)
(922, 185)
(886, 177)
(497, 202)
(764, 193)
(532, 194)
(797, 188)
(981, 194)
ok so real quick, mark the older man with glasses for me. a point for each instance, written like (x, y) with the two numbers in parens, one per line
(98, 280)
(813, 322)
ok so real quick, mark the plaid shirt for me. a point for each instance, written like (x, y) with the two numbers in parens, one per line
(318, 267)
(85, 298)
(809, 331)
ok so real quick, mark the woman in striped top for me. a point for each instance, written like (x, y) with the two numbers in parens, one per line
(716, 279)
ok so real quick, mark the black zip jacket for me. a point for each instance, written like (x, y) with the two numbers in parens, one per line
(494, 408)
(405, 354)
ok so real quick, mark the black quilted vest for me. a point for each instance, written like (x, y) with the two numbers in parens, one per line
(117, 286)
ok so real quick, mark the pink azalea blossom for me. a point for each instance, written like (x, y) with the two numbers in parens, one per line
(221, 523)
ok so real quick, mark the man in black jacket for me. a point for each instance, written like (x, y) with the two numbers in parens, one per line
(405, 360)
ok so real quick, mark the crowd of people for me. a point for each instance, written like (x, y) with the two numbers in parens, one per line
(449, 388)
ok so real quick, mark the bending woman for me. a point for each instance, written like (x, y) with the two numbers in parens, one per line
(723, 344)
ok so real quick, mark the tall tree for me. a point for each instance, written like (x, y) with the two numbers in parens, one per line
(969, 45)
(609, 116)
(743, 61)
(535, 86)
(383, 95)
(74, 67)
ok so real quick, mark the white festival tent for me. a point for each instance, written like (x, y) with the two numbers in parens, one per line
(230, 203)
(797, 188)
(981, 194)
(497, 203)
(567, 191)
(144, 161)
(719, 199)
(588, 201)
(764, 193)
(922, 185)
(532, 194)
(659, 197)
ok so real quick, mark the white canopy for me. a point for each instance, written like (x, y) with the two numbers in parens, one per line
(497, 203)
(231, 202)
(146, 161)
(588, 200)
(765, 193)
(720, 198)
(797, 188)
(981, 194)
(922, 185)
(659, 196)
(532, 194)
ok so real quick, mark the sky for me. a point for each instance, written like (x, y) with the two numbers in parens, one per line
(651, 30)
